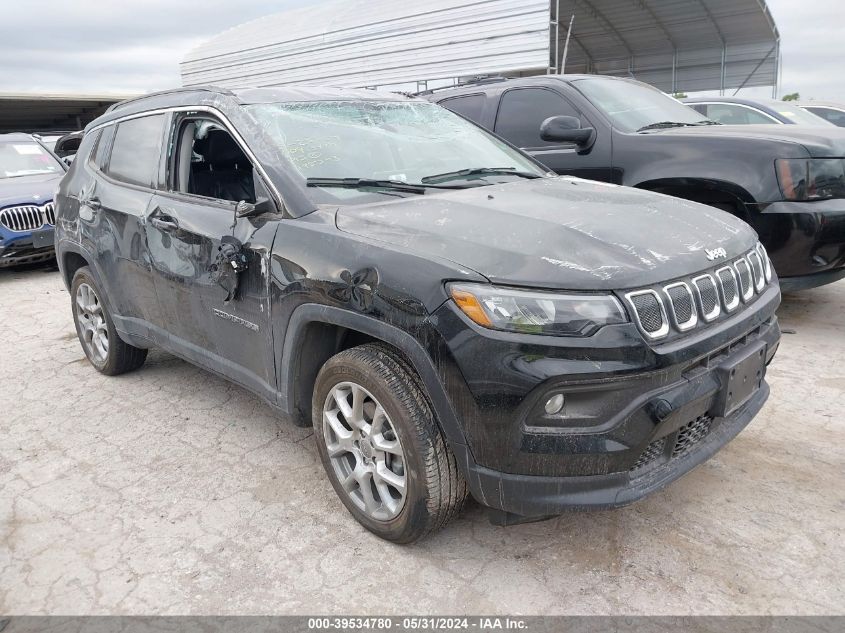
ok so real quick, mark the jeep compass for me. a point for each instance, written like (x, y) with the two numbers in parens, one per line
(451, 318)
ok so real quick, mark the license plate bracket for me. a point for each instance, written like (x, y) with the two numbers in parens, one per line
(740, 377)
(43, 238)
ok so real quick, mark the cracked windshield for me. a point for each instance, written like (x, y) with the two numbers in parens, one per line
(355, 152)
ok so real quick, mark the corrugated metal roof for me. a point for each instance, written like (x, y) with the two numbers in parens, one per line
(674, 44)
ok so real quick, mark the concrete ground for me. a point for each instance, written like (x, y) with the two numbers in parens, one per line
(170, 491)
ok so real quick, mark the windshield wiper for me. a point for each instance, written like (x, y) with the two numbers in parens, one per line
(662, 125)
(479, 171)
(372, 183)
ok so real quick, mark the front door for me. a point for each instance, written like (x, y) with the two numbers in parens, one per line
(210, 266)
(520, 115)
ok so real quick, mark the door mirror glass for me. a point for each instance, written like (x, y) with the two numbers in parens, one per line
(565, 129)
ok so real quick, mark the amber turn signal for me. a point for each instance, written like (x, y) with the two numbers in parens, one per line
(469, 305)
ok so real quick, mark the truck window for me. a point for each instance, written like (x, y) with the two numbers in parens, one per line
(135, 151)
(469, 106)
(523, 110)
(733, 114)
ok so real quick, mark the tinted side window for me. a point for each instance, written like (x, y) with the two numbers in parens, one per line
(523, 110)
(470, 106)
(135, 151)
(837, 117)
(731, 114)
(100, 152)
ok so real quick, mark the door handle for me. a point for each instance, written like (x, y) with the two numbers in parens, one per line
(165, 223)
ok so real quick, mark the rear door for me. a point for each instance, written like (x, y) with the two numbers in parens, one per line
(521, 113)
(114, 202)
(213, 314)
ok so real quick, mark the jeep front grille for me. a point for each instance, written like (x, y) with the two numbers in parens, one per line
(685, 304)
(27, 217)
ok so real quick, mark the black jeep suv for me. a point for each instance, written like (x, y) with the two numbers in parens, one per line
(446, 313)
(788, 182)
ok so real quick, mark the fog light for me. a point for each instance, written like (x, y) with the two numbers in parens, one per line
(554, 404)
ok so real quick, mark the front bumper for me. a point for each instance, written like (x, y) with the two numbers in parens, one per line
(637, 416)
(805, 241)
(28, 248)
(527, 496)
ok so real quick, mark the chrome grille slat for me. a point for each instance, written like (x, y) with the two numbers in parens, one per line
(767, 264)
(708, 297)
(682, 304)
(746, 282)
(48, 212)
(728, 286)
(28, 217)
(649, 312)
(757, 268)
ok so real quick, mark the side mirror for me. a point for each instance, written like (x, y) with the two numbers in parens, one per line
(565, 129)
(261, 205)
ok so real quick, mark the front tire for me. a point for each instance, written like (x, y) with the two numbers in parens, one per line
(106, 351)
(381, 445)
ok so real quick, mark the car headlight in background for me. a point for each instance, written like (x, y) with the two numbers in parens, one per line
(811, 179)
(534, 312)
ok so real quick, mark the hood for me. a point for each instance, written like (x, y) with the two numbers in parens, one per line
(564, 233)
(820, 142)
(36, 189)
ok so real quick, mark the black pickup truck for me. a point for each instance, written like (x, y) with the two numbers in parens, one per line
(786, 182)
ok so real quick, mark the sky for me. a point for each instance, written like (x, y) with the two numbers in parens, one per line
(134, 46)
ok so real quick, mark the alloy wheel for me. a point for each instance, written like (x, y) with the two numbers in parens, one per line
(364, 451)
(92, 323)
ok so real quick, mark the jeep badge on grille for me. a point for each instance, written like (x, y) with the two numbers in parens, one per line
(716, 253)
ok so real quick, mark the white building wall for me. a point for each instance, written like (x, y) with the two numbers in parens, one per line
(376, 43)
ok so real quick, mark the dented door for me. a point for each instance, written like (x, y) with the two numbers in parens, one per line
(212, 313)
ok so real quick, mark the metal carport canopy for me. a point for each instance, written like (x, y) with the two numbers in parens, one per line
(51, 112)
(677, 45)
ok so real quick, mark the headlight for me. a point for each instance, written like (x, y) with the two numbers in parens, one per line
(532, 312)
(811, 179)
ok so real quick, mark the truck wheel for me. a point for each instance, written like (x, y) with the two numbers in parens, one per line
(382, 447)
(108, 353)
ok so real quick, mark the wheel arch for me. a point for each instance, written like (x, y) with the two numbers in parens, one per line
(704, 190)
(315, 333)
(71, 257)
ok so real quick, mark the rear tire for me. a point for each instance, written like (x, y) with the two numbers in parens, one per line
(106, 351)
(382, 447)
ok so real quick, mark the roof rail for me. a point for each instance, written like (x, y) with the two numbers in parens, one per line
(475, 81)
(120, 104)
